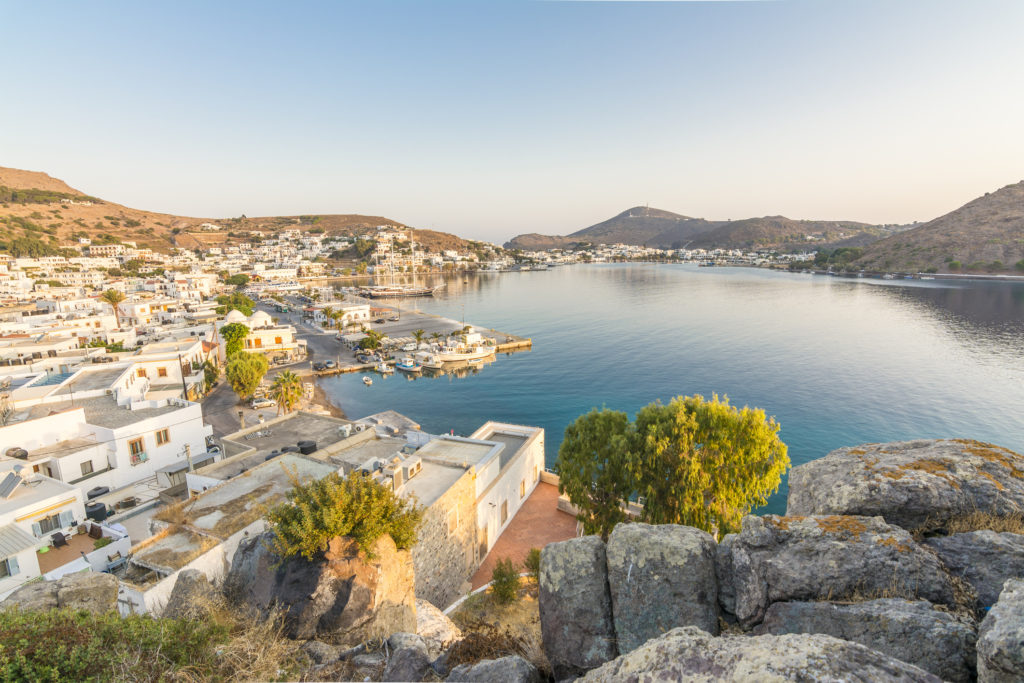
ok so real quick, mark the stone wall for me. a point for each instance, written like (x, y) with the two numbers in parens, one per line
(444, 561)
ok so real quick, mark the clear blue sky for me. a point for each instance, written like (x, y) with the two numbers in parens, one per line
(493, 118)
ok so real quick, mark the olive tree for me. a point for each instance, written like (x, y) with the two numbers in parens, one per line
(233, 334)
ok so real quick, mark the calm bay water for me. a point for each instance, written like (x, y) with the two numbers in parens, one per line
(838, 362)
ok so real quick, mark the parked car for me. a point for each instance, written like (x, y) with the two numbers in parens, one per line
(258, 403)
(329, 365)
(318, 366)
(379, 321)
(411, 346)
(394, 318)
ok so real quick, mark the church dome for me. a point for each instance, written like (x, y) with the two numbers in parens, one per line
(234, 316)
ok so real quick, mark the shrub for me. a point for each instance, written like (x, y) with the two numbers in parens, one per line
(532, 564)
(505, 582)
(101, 542)
(955, 265)
(1019, 265)
(355, 506)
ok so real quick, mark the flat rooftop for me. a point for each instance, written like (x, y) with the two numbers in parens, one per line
(432, 482)
(456, 452)
(378, 448)
(104, 411)
(512, 443)
(63, 449)
(89, 380)
(32, 491)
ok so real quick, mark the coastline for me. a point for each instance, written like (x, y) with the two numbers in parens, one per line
(320, 398)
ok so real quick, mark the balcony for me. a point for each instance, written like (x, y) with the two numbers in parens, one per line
(138, 458)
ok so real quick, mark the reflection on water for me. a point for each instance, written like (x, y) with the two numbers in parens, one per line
(837, 361)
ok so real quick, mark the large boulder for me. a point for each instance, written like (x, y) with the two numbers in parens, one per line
(1001, 637)
(406, 664)
(575, 606)
(693, 655)
(437, 630)
(985, 559)
(911, 631)
(342, 596)
(661, 577)
(192, 596)
(90, 591)
(511, 669)
(913, 484)
(776, 559)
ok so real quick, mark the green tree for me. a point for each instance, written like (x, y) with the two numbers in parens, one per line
(372, 340)
(418, 336)
(210, 374)
(505, 581)
(244, 372)
(237, 301)
(1019, 265)
(238, 280)
(356, 506)
(233, 334)
(115, 298)
(361, 268)
(705, 463)
(328, 313)
(286, 389)
(593, 469)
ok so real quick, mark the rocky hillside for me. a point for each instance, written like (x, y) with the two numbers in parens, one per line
(656, 228)
(31, 206)
(985, 235)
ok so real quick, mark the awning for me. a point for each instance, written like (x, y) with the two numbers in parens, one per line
(14, 539)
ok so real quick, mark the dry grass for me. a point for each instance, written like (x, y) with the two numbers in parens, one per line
(494, 630)
(977, 521)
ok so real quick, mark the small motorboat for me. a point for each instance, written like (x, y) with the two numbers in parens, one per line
(475, 361)
(367, 381)
(408, 364)
(384, 369)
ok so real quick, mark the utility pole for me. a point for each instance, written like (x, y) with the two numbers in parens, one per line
(188, 457)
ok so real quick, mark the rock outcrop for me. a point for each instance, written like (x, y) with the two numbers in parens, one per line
(342, 596)
(437, 630)
(911, 631)
(660, 577)
(575, 606)
(191, 597)
(985, 559)
(913, 484)
(89, 591)
(691, 654)
(1001, 638)
(776, 559)
(511, 669)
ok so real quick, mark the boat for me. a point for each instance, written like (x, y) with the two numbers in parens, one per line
(475, 361)
(383, 368)
(888, 276)
(396, 291)
(927, 277)
(367, 381)
(408, 364)
(429, 360)
(453, 353)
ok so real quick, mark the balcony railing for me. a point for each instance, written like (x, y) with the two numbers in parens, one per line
(138, 458)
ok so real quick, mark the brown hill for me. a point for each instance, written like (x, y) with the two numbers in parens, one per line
(986, 234)
(31, 206)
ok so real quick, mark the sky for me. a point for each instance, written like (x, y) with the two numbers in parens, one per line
(490, 119)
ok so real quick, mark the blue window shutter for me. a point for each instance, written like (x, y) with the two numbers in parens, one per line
(66, 517)
(12, 565)
(37, 530)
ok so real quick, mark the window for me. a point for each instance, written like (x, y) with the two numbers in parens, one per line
(453, 521)
(47, 524)
(277, 340)
(504, 511)
(258, 343)
(137, 451)
(162, 437)
(8, 567)
(141, 372)
(87, 467)
(161, 372)
(522, 488)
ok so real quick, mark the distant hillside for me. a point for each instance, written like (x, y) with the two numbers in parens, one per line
(666, 230)
(31, 206)
(986, 234)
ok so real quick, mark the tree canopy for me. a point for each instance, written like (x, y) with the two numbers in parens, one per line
(244, 372)
(236, 300)
(697, 462)
(286, 389)
(233, 334)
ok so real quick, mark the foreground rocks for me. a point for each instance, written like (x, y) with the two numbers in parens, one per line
(192, 596)
(913, 484)
(89, 591)
(911, 631)
(512, 669)
(660, 577)
(342, 597)
(1001, 638)
(692, 655)
(437, 630)
(575, 606)
(777, 559)
(985, 559)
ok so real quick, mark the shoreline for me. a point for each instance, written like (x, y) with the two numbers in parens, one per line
(320, 399)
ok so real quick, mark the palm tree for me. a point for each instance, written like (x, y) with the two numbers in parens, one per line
(286, 390)
(328, 313)
(418, 336)
(435, 336)
(114, 298)
(338, 317)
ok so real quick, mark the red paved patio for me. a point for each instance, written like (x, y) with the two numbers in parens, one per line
(537, 523)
